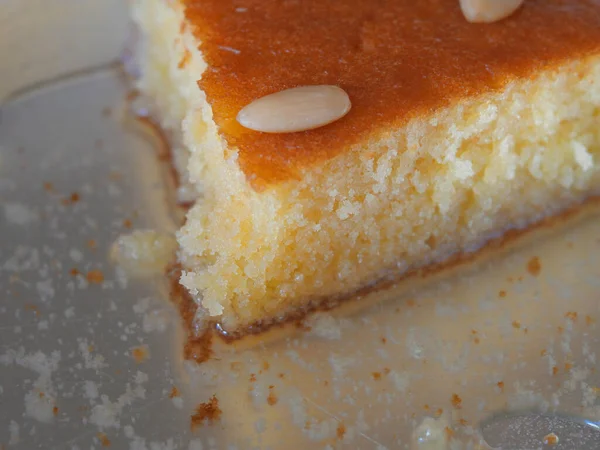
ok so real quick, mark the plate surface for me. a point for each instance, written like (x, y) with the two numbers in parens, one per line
(89, 357)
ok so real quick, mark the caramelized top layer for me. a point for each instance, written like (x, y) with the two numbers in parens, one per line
(395, 58)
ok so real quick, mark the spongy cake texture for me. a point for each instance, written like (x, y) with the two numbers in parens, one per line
(443, 181)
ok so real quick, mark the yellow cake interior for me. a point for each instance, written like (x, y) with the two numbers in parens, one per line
(404, 199)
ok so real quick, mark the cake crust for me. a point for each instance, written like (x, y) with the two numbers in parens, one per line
(396, 59)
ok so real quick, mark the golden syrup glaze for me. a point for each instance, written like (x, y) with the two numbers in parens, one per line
(397, 59)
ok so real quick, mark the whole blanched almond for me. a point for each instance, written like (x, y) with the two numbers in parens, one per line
(486, 11)
(297, 109)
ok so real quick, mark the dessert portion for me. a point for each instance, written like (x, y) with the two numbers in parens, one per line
(457, 132)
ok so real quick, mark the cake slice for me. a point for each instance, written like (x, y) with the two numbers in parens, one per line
(457, 132)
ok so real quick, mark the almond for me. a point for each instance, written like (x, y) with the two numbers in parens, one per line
(297, 109)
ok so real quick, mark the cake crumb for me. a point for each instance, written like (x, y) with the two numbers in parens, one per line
(571, 315)
(589, 320)
(140, 354)
(174, 392)
(500, 385)
(95, 276)
(456, 401)
(323, 325)
(33, 308)
(551, 439)
(103, 440)
(208, 411)
(534, 266)
(272, 397)
(340, 431)
(143, 252)
(431, 433)
(197, 348)
(71, 199)
(195, 444)
(14, 430)
(19, 214)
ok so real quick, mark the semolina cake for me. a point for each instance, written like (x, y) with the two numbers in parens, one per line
(458, 131)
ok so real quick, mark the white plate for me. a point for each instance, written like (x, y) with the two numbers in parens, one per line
(460, 349)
